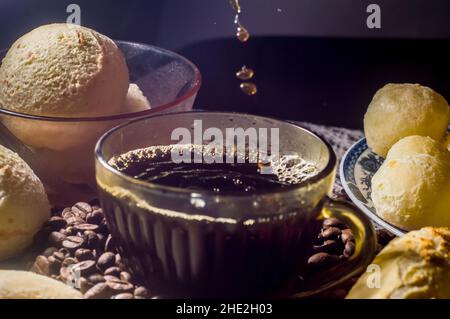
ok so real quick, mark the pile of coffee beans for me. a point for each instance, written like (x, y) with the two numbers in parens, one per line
(334, 244)
(81, 253)
(78, 250)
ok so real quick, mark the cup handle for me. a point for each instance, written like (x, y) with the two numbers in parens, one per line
(365, 249)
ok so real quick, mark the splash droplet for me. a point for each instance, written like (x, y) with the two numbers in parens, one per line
(245, 73)
(242, 34)
(249, 88)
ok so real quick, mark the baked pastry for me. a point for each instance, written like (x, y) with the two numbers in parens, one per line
(400, 110)
(28, 285)
(416, 265)
(412, 187)
(136, 100)
(24, 206)
(64, 70)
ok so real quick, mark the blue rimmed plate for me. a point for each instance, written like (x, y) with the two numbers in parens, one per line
(358, 166)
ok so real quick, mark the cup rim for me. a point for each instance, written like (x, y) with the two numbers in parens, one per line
(326, 171)
(194, 90)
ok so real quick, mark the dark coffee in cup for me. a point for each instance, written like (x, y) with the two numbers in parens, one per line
(196, 256)
(237, 174)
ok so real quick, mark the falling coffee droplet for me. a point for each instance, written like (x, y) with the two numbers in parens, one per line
(245, 73)
(236, 6)
(249, 88)
(242, 34)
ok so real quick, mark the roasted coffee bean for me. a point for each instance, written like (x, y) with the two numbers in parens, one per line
(49, 251)
(328, 246)
(112, 271)
(142, 292)
(121, 266)
(110, 278)
(84, 227)
(69, 261)
(65, 252)
(70, 231)
(56, 223)
(85, 285)
(126, 295)
(125, 276)
(67, 213)
(331, 233)
(106, 260)
(87, 233)
(99, 291)
(119, 286)
(82, 209)
(110, 245)
(55, 239)
(96, 278)
(349, 249)
(59, 255)
(84, 254)
(54, 264)
(73, 242)
(74, 221)
(64, 232)
(322, 260)
(41, 266)
(333, 222)
(118, 259)
(80, 237)
(86, 267)
(96, 217)
(347, 235)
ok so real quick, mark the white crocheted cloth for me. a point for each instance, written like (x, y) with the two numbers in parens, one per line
(339, 138)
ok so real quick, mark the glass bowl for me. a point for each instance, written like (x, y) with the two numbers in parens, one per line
(64, 147)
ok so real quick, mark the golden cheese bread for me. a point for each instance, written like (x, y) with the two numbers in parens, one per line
(412, 188)
(28, 285)
(24, 206)
(400, 110)
(416, 265)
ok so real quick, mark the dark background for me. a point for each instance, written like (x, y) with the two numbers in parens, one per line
(315, 60)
